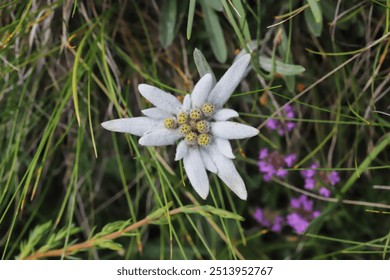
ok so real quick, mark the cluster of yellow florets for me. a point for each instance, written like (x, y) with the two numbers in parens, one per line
(194, 126)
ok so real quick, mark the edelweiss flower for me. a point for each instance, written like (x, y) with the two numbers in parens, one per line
(200, 121)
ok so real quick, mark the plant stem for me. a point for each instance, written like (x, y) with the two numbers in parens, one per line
(90, 243)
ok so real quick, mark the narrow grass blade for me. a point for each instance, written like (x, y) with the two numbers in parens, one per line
(241, 15)
(76, 70)
(190, 20)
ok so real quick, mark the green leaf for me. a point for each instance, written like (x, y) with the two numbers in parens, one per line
(314, 27)
(108, 244)
(42, 239)
(160, 212)
(215, 5)
(316, 10)
(35, 236)
(242, 19)
(202, 65)
(290, 82)
(168, 22)
(215, 33)
(279, 67)
(209, 211)
(190, 21)
(382, 145)
(286, 56)
(113, 227)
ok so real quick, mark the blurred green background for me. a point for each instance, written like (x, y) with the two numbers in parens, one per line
(65, 182)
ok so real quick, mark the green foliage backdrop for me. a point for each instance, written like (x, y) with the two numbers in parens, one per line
(70, 189)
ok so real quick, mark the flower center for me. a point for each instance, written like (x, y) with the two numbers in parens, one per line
(194, 126)
(204, 139)
(182, 117)
(208, 109)
(195, 114)
(191, 138)
(170, 123)
(185, 129)
(202, 126)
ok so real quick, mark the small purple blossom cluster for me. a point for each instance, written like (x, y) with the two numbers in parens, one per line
(269, 219)
(320, 180)
(273, 164)
(302, 213)
(282, 126)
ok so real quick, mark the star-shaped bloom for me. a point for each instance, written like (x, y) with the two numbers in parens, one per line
(200, 124)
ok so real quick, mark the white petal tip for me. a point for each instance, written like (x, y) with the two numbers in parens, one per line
(141, 87)
(243, 196)
(240, 191)
(141, 142)
(204, 196)
(255, 132)
(105, 125)
(111, 125)
(246, 57)
(233, 130)
(250, 131)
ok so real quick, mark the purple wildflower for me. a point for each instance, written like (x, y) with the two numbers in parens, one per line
(319, 180)
(282, 126)
(309, 173)
(258, 215)
(316, 214)
(269, 219)
(324, 192)
(290, 159)
(272, 124)
(303, 213)
(333, 178)
(302, 202)
(309, 183)
(278, 224)
(263, 153)
(273, 164)
(298, 223)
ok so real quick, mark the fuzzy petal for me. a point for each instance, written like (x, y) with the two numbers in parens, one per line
(181, 150)
(225, 114)
(160, 137)
(229, 81)
(232, 130)
(187, 102)
(224, 147)
(201, 91)
(196, 172)
(156, 113)
(136, 126)
(208, 162)
(228, 173)
(160, 98)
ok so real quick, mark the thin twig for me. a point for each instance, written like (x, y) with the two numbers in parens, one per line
(91, 242)
(331, 199)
